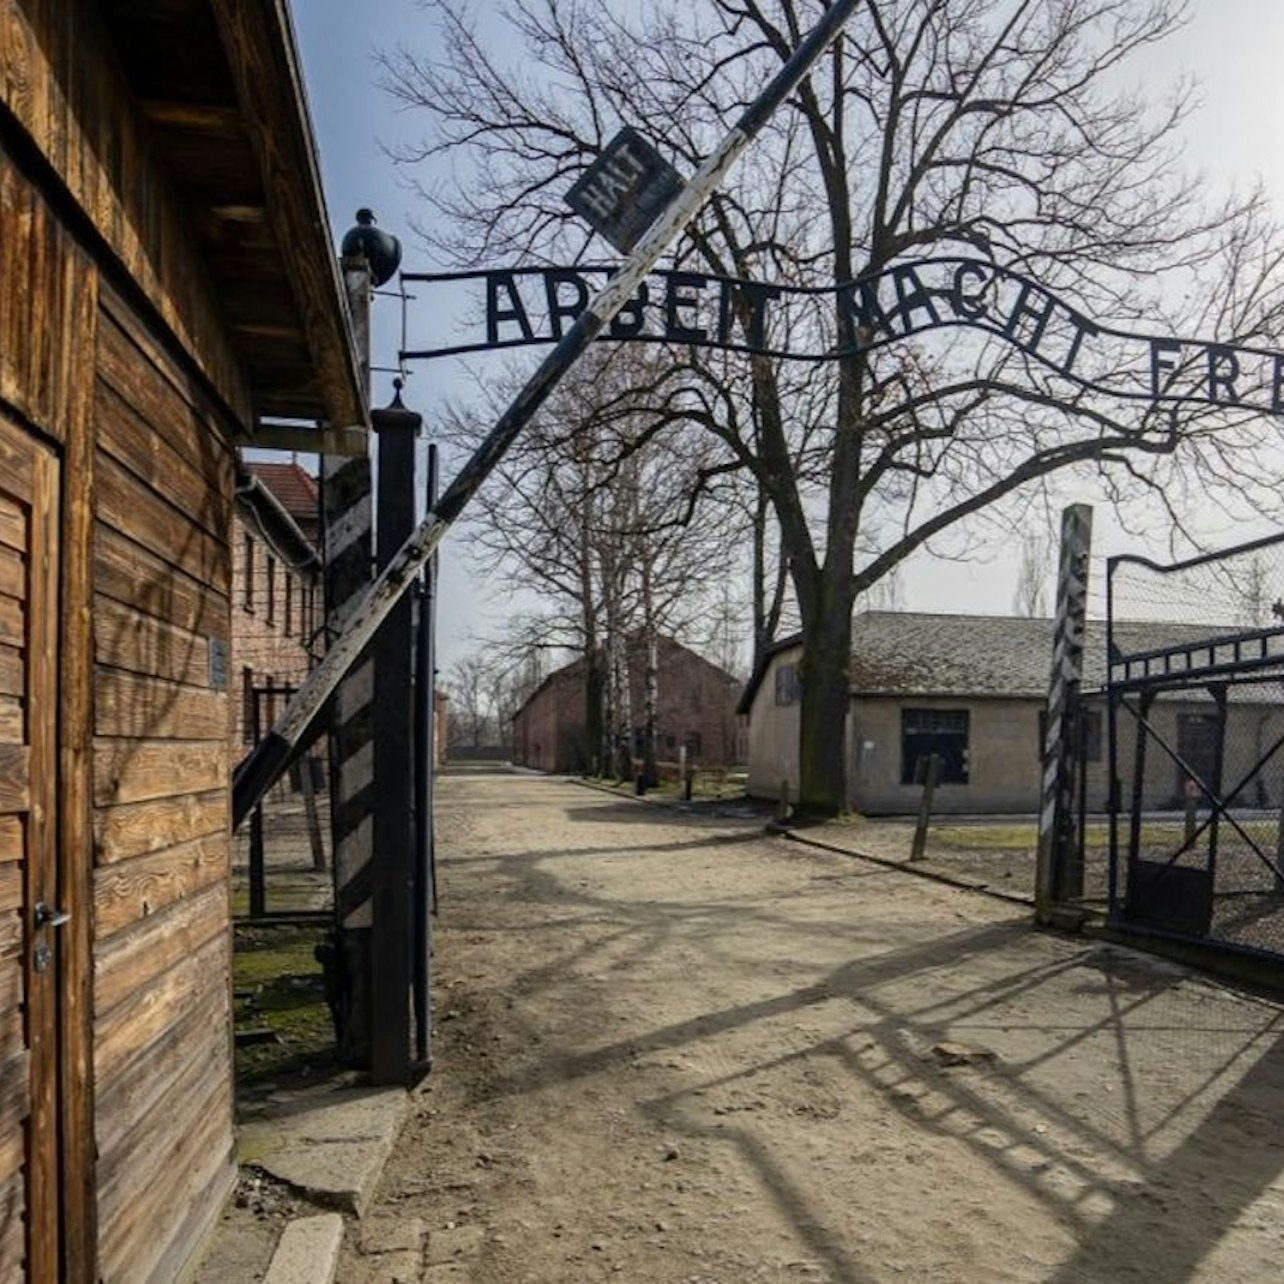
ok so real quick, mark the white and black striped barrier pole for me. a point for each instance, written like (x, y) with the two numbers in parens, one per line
(257, 772)
(1057, 830)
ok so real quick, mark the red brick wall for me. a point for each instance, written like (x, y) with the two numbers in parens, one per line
(268, 645)
(696, 704)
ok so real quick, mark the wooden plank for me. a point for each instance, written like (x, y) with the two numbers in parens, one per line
(149, 1230)
(133, 959)
(133, 889)
(15, 777)
(13, 686)
(44, 1179)
(13, 573)
(133, 829)
(15, 1107)
(13, 1231)
(128, 506)
(127, 1168)
(11, 933)
(200, 1034)
(12, 839)
(12, 891)
(13, 621)
(75, 861)
(128, 573)
(162, 421)
(13, 1033)
(127, 704)
(203, 491)
(41, 281)
(130, 1028)
(128, 770)
(12, 985)
(195, 1214)
(125, 638)
(59, 54)
(13, 525)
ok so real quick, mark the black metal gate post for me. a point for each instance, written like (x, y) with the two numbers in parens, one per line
(258, 873)
(393, 846)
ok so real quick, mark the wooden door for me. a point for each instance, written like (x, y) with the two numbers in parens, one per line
(29, 1248)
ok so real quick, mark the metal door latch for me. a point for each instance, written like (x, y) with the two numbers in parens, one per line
(46, 916)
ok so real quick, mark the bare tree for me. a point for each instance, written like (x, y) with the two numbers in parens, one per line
(625, 539)
(1030, 596)
(995, 129)
(470, 721)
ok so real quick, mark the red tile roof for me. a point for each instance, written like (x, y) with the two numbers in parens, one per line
(293, 486)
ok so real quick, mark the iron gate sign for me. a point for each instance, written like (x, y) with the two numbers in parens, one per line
(528, 305)
(622, 192)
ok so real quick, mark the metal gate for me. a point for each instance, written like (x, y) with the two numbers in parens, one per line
(1195, 708)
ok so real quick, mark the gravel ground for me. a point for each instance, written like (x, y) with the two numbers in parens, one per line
(671, 1047)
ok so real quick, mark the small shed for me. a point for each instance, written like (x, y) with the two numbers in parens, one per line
(167, 285)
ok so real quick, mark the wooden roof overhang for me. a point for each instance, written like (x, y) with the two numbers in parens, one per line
(220, 86)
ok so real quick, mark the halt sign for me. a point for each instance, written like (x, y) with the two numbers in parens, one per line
(623, 191)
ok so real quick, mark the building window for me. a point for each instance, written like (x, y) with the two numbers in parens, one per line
(271, 589)
(694, 744)
(289, 604)
(943, 732)
(1197, 737)
(247, 706)
(788, 688)
(249, 572)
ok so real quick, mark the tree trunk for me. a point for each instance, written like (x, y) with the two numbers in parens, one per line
(826, 694)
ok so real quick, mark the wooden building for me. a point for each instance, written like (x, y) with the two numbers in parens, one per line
(167, 284)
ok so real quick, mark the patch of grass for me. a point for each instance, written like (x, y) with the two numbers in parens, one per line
(1024, 835)
(277, 965)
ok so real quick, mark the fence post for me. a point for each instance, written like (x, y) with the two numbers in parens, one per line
(391, 968)
(347, 564)
(258, 874)
(931, 778)
(1059, 872)
(425, 897)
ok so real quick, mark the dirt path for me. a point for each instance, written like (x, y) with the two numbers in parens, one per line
(676, 1049)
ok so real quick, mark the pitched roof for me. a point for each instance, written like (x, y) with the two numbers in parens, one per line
(293, 486)
(912, 653)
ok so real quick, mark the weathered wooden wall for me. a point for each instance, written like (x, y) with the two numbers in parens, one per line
(112, 357)
(161, 581)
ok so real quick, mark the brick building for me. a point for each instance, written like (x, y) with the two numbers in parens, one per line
(276, 589)
(972, 689)
(696, 709)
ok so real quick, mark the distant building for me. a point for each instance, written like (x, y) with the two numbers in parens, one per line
(972, 689)
(696, 709)
(276, 591)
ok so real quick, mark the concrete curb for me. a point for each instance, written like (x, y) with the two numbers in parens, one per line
(308, 1251)
(918, 869)
(331, 1147)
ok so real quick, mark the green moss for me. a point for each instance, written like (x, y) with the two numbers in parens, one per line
(278, 966)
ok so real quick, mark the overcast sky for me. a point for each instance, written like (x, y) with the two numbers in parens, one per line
(1232, 47)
